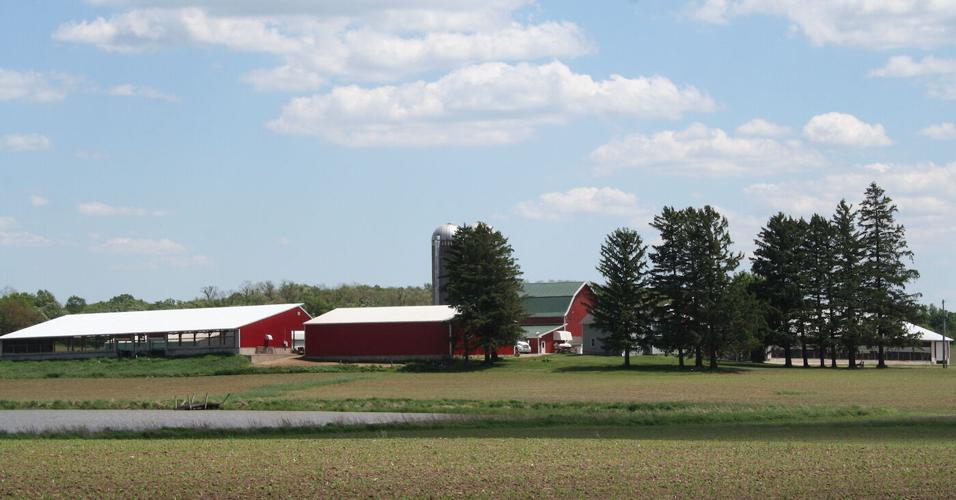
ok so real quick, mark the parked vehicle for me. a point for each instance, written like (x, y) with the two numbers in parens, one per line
(522, 347)
(299, 349)
(564, 347)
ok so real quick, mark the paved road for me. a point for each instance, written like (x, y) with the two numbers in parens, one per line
(31, 421)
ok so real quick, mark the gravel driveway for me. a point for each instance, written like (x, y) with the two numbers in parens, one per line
(34, 421)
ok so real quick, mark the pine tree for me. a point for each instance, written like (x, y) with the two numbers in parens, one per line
(818, 264)
(709, 247)
(847, 300)
(801, 316)
(623, 304)
(775, 262)
(884, 273)
(484, 285)
(667, 282)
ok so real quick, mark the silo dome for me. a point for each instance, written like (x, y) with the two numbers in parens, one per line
(445, 232)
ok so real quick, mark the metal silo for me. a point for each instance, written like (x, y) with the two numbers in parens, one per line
(441, 240)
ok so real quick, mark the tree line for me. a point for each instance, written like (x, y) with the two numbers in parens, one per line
(19, 310)
(832, 284)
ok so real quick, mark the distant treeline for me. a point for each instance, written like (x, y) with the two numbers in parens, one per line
(21, 309)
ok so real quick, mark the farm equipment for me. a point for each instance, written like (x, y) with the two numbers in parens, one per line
(193, 404)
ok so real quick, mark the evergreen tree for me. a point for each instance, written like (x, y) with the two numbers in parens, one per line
(775, 262)
(847, 301)
(484, 284)
(667, 282)
(623, 304)
(713, 261)
(884, 273)
(801, 316)
(818, 264)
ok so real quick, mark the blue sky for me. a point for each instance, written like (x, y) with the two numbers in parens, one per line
(157, 147)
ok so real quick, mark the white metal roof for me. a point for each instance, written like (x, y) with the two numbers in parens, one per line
(926, 335)
(394, 314)
(170, 320)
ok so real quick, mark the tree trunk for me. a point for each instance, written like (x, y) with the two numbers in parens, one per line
(487, 353)
(851, 357)
(823, 353)
(713, 359)
(698, 358)
(788, 356)
(803, 348)
(627, 357)
(882, 356)
(464, 343)
(680, 357)
(833, 356)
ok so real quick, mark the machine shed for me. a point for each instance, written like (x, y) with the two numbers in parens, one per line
(171, 332)
(381, 333)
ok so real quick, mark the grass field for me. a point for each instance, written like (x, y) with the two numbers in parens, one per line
(728, 462)
(554, 426)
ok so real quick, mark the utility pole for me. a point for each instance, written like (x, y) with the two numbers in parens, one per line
(945, 342)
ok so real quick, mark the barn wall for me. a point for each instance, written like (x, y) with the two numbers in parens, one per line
(580, 308)
(279, 326)
(377, 340)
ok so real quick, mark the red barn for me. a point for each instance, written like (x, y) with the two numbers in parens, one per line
(552, 307)
(381, 333)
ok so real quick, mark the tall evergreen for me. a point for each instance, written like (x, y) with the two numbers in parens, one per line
(884, 273)
(677, 334)
(776, 262)
(847, 301)
(802, 313)
(709, 277)
(818, 264)
(484, 284)
(623, 304)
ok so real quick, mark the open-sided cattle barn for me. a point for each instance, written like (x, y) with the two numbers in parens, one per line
(173, 332)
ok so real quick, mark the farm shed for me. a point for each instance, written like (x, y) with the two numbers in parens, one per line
(381, 333)
(929, 347)
(173, 332)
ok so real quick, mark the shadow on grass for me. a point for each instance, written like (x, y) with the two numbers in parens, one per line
(661, 368)
(940, 430)
(445, 366)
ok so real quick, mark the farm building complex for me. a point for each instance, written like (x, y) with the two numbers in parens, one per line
(555, 312)
(175, 332)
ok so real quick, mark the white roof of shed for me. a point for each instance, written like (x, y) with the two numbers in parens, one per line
(926, 335)
(164, 321)
(394, 314)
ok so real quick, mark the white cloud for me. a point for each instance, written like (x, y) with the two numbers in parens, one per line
(938, 75)
(11, 236)
(925, 194)
(941, 131)
(758, 127)
(139, 246)
(591, 200)
(25, 142)
(860, 23)
(700, 150)
(38, 201)
(129, 90)
(100, 209)
(490, 103)
(34, 86)
(369, 41)
(845, 130)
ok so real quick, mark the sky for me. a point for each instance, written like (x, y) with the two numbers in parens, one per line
(156, 147)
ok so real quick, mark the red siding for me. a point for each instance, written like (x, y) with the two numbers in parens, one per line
(507, 350)
(279, 326)
(376, 339)
(580, 307)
